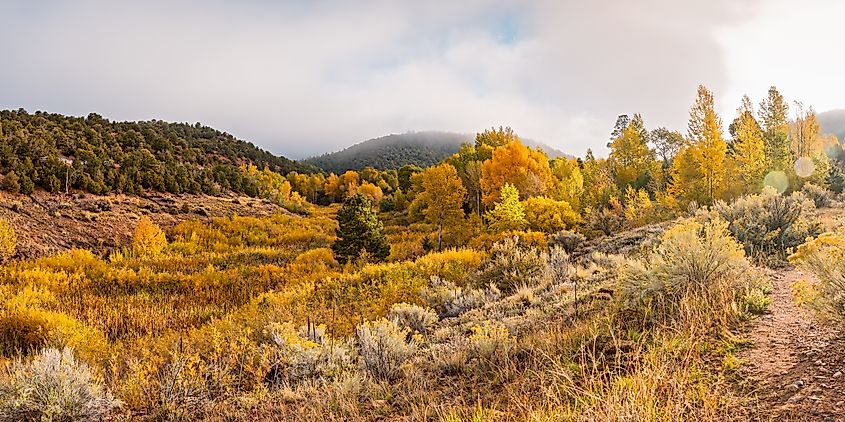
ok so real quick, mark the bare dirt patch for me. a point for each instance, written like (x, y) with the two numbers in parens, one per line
(46, 223)
(795, 367)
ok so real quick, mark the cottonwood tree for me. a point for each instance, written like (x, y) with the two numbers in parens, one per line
(441, 198)
(525, 168)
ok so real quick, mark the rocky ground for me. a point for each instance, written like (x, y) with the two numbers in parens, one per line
(46, 223)
(795, 367)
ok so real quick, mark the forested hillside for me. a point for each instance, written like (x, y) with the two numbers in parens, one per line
(421, 149)
(93, 154)
(833, 121)
(392, 152)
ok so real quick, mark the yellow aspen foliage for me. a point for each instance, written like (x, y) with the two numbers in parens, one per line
(749, 148)
(149, 239)
(548, 215)
(509, 213)
(639, 207)
(698, 172)
(372, 192)
(569, 182)
(525, 168)
(441, 198)
(8, 241)
(331, 187)
(631, 161)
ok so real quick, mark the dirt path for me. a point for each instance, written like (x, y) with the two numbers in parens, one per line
(795, 367)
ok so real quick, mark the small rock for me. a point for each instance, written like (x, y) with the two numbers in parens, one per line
(815, 398)
(795, 398)
(837, 374)
(840, 403)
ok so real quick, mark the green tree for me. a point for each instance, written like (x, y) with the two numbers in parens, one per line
(359, 229)
(405, 174)
(509, 213)
(11, 182)
(774, 119)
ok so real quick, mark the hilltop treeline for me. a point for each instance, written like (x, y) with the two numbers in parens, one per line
(93, 154)
(422, 149)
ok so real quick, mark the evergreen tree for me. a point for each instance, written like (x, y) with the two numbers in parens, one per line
(359, 229)
(773, 119)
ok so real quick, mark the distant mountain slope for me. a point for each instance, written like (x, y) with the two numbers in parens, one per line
(99, 156)
(833, 121)
(394, 151)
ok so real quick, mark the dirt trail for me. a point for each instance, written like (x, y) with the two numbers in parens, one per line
(795, 366)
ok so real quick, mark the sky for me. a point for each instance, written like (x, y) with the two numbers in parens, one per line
(301, 78)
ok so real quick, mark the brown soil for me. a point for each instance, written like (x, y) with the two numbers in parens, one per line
(796, 364)
(46, 224)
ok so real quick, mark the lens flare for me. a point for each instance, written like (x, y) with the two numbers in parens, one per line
(804, 167)
(777, 180)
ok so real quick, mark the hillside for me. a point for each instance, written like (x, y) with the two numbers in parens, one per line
(96, 155)
(394, 151)
(48, 224)
(833, 121)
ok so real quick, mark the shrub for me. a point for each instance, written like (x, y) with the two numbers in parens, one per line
(384, 348)
(560, 268)
(512, 264)
(11, 182)
(566, 239)
(770, 223)
(820, 196)
(8, 241)
(825, 256)
(451, 301)
(306, 355)
(692, 260)
(149, 239)
(413, 317)
(52, 386)
(490, 339)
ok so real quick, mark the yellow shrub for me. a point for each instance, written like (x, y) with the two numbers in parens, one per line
(149, 239)
(550, 216)
(8, 241)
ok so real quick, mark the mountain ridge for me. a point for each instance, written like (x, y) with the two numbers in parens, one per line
(424, 148)
(833, 121)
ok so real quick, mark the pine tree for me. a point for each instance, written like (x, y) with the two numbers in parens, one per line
(359, 229)
(773, 119)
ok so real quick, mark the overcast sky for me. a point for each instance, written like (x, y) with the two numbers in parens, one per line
(306, 77)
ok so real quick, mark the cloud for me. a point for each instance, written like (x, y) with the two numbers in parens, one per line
(302, 78)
